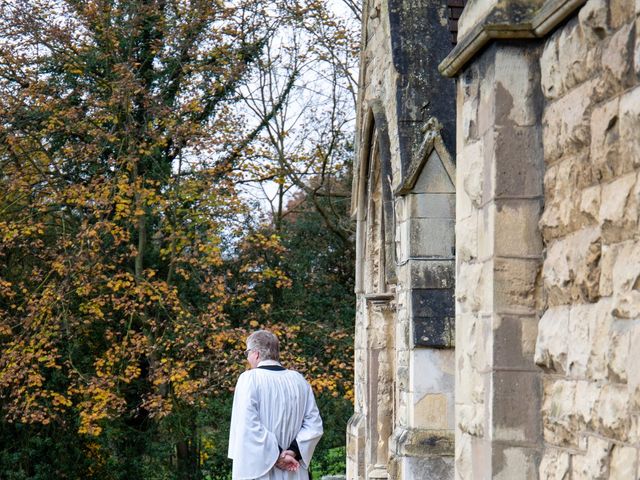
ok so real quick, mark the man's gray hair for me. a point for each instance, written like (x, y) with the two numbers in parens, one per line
(266, 343)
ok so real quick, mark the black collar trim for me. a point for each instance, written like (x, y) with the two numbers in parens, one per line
(273, 367)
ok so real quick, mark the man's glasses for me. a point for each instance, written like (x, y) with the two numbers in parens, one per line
(247, 352)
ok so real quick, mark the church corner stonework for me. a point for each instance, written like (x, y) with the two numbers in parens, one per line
(498, 269)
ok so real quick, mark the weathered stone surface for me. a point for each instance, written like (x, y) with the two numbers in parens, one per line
(599, 318)
(621, 12)
(472, 281)
(593, 19)
(604, 142)
(467, 238)
(558, 419)
(612, 412)
(515, 420)
(578, 57)
(571, 270)
(617, 60)
(595, 462)
(551, 77)
(515, 284)
(579, 345)
(472, 180)
(516, 227)
(586, 399)
(552, 343)
(567, 122)
(514, 341)
(555, 465)
(511, 462)
(623, 462)
(626, 281)
(630, 125)
(618, 360)
(432, 205)
(431, 237)
(433, 314)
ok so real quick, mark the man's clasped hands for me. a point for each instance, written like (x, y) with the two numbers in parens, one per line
(287, 461)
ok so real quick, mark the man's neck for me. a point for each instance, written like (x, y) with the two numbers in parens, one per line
(266, 363)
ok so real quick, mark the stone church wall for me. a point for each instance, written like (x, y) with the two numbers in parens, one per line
(404, 205)
(547, 243)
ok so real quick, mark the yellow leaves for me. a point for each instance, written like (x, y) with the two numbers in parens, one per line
(254, 324)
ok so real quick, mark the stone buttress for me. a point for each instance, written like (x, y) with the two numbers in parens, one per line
(404, 204)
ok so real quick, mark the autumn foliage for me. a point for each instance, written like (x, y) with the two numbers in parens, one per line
(130, 272)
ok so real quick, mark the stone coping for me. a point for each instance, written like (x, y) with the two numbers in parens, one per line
(507, 20)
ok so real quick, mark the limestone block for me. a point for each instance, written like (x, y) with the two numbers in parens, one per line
(627, 305)
(469, 86)
(467, 238)
(579, 347)
(463, 469)
(432, 205)
(578, 55)
(636, 52)
(590, 201)
(514, 284)
(551, 77)
(598, 316)
(486, 231)
(511, 462)
(518, 163)
(470, 419)
(428, 274)
(482, 346)
(434, 177)
(633, 374)
(472, 281)
(593, 17)
(630, 124)
(470, 166)
(566, 122)
(571, 270)
(594, 464)
(514, 88)
(432, 370)
(402, 240)
(552, 342)
(558, 418)
(586, 400)
(605, 135)
(626, 281)
(516, 227)
(554, 465)
(612, 412)
(609, 257)
(513, 419)
(618, 355)
(430, 412)
(487, 104)
(563, 198)
(466, 378)
(440, 467)
(616, 61)
(432, 237)
(623, 462)
(514, 339)
(481, 458)
(621, 12)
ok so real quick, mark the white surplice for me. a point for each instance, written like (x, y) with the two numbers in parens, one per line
(271, 409)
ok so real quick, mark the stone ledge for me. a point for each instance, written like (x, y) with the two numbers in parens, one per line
(507, 20)
(422, 443)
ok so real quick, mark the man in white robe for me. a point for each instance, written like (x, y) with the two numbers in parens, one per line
(275, 423)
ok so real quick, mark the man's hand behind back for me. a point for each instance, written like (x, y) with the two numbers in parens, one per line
(287, 461)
